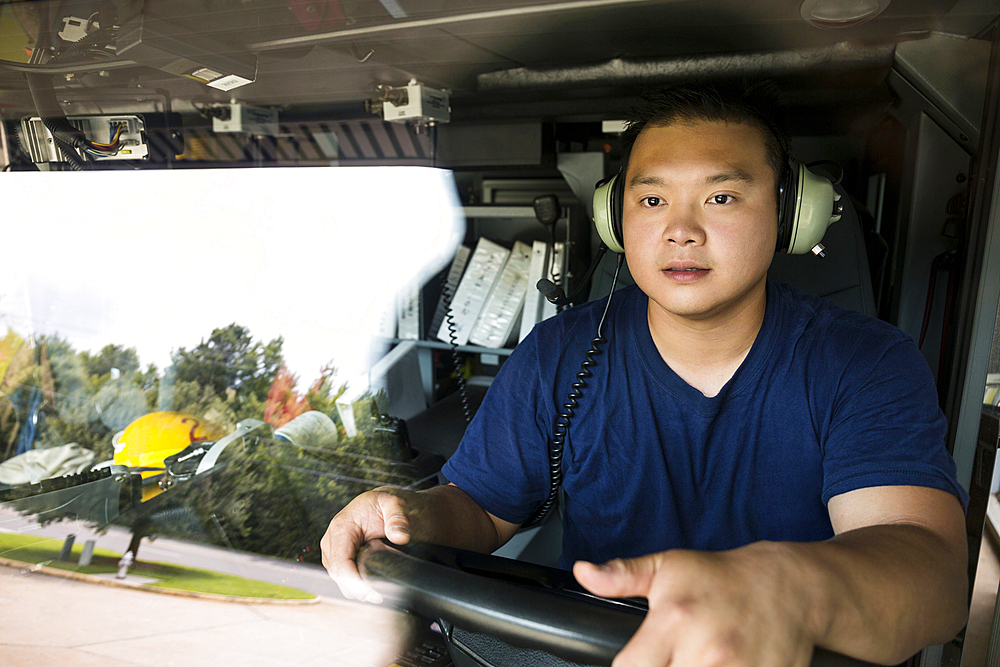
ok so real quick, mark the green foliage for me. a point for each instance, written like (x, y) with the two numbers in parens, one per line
(126, 360)
(322, 395)
(265, 496)
(230, 361)
(192, 398)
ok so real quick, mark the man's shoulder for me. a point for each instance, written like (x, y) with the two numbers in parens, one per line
(819, 316)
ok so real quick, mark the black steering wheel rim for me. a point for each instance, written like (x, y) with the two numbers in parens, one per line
(524, 605)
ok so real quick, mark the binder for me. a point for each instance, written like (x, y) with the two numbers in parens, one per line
(450, 285)
(408, 314)
(483, 270)
(532, 311)
(503, 305)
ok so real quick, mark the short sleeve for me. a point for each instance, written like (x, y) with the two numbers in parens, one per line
(502, 459)
(886, 427)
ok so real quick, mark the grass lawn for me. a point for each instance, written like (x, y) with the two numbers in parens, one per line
(44, 551)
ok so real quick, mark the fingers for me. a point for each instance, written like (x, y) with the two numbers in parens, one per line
(368, 517)
(340, 546)
(394, 518)
(704, 611)
(617, 578)
(652, 644)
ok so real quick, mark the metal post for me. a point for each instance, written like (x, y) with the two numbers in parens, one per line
(88, 553)
(67, 548)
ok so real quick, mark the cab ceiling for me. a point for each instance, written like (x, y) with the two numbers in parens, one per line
(332, 53)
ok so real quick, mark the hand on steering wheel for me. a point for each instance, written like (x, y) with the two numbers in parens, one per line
(524, 605)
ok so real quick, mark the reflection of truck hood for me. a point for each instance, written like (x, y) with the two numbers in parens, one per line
(97, 496)
(100, 496)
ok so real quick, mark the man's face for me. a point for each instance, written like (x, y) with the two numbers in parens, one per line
(700, 221)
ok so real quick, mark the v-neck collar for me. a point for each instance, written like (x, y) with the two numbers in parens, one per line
(673, 383)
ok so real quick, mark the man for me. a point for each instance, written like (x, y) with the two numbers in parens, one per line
(768, 470)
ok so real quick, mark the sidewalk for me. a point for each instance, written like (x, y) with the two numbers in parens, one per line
(47, 620)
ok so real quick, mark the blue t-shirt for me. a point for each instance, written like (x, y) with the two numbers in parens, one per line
(827, 401)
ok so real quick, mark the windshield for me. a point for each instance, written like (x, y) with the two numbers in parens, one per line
(200, 363)
(236, 239)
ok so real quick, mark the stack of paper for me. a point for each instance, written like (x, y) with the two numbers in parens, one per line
(408, 314)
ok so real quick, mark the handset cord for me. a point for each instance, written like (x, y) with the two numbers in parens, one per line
(456, 359)
(561, 426)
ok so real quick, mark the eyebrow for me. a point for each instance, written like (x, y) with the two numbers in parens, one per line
(735, 174)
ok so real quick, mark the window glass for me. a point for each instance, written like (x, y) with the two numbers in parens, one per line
(188, 393)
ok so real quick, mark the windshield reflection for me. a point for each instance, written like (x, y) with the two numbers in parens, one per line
(203, 372)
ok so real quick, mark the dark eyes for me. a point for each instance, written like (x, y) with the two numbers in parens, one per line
(653, 201)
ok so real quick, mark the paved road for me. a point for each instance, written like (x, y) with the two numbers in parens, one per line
(46, 620)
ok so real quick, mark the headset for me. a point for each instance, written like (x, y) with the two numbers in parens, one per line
(807, 205)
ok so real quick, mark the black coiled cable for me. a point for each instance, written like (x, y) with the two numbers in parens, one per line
(456, 358)
(561, 427)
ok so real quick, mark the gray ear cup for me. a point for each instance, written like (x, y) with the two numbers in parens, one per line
(608, 212)
(815, 207)
(807, 205)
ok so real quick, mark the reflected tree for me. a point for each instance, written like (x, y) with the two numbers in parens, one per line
(267, 495)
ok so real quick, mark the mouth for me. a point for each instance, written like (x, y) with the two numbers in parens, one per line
(685, 274)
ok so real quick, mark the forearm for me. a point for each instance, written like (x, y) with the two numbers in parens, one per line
(881, 593)
(446, 515)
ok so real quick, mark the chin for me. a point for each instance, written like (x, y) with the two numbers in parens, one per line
(691, 309)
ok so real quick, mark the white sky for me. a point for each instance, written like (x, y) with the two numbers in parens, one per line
(156, 259)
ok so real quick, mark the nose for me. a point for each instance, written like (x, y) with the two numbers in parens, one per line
(683, 227)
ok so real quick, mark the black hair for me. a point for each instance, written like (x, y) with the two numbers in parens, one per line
(751, 104)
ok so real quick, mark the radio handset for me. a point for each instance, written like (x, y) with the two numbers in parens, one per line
(557, 295)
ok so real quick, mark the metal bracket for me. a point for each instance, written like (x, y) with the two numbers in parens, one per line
(242, 429)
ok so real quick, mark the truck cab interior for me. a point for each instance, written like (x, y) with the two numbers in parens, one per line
(263, 120)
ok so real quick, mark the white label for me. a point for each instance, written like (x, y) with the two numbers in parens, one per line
(229, 82)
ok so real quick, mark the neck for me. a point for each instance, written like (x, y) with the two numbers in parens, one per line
(707, 352)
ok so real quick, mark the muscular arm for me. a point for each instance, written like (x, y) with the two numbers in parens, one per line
(894, 578)
(440, 515)
(891, 581)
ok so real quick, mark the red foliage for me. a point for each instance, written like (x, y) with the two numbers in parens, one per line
(284, 403)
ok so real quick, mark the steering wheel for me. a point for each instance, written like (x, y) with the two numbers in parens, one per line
(529, 608)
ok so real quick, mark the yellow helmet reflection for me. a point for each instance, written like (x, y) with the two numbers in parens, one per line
(148, 440)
